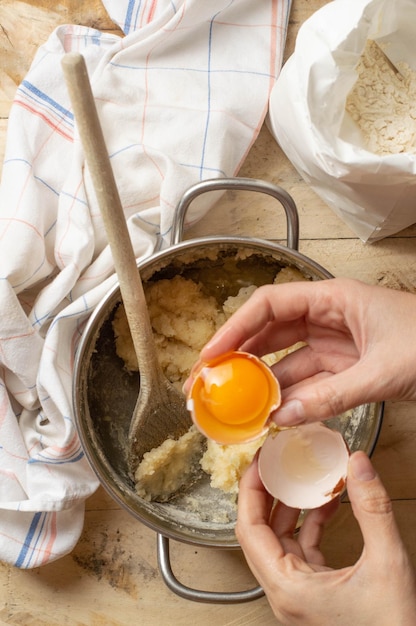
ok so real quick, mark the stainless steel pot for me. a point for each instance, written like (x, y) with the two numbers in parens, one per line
(104, 394)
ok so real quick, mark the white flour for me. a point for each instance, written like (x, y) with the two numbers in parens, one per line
(383, 103)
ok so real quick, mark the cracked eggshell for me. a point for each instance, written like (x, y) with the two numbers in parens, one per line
(304, 467)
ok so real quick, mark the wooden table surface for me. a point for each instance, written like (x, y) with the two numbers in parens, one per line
(111, 578)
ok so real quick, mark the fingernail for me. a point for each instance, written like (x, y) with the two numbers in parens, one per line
(361, 467)
(290, 414)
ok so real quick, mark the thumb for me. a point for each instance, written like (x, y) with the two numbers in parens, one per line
(326, 396)
(372, 509)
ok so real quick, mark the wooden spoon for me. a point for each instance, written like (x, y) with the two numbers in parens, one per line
(160, 410)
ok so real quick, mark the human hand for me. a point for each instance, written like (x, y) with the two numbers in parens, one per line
(380, 588)
(361, 344)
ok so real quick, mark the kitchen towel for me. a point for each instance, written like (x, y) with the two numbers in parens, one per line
(181, 98)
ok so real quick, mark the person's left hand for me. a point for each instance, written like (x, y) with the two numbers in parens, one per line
(379, 588)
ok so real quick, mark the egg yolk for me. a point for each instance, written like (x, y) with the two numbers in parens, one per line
(234, 391)
(231, 398)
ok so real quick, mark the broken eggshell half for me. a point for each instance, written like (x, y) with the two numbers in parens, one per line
(305, 466)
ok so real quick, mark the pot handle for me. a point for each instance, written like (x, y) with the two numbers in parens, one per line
(244, 184)
(213, 597)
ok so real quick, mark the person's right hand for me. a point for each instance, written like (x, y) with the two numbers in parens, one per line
(361, 344)
(379, 589)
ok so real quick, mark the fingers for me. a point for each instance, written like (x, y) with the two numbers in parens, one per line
(267, 534)
(325, 396)
(348, 361)
(261, 547)
(283, 521)
(372, 508)
(254, 504)
(307, 361)
(262, 309)
(313, 529)
(306, 543)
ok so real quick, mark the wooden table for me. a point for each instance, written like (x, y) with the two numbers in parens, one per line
(111, 578)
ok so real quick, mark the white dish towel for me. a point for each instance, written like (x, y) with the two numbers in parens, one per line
(181, 98)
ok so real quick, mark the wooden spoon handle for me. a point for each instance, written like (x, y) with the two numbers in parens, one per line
(90, 131)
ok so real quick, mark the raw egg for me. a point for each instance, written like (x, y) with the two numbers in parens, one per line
(305, 466)
(231, 398)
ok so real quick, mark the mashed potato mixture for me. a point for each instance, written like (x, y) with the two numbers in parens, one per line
(184, 318)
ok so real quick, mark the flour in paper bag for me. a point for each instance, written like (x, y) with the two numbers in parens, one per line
(383, 103)
(372, 192)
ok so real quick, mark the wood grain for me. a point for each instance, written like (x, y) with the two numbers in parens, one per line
(24, 26)
(111, 578)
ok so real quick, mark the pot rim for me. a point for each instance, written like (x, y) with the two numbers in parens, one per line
(106, 474)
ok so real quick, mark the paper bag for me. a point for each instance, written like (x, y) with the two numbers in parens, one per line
(375, 194)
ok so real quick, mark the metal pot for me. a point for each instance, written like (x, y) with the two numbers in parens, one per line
(105, 394)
